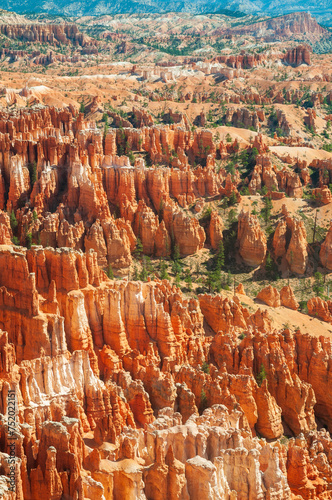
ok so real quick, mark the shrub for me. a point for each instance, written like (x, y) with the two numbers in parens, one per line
(304, 307)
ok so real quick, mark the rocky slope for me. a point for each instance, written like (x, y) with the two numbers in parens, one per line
(111, 396)
(165, 259)
(131, 389)
(234, 8)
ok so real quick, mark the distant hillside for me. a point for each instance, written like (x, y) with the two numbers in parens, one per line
(321, 9)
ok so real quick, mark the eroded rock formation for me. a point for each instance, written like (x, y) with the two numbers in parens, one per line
(136, 388)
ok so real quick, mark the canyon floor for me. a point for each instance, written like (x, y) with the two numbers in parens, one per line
(165, 257)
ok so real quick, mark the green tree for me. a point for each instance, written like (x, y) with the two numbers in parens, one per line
(232, 199)
(138, 248)
(266, 210)
(177, 279)
(109, 272)
(187, 279)
(161, 210)
(270, 267)
(206, 216)
(219, 259)
(261, 376)
(143, 276)
(82, 108)
(225, 203)
(213, 281)
(176, 253)
(13, 221)
(230, 168)
(28, 240)
(318, 286)
(163, 270)
(32, 172)
(176, 267)
(204, 402)
(231, 216)
(34, 215)
(105, 129)
(135, 275)
(205, 367)
(131, 157)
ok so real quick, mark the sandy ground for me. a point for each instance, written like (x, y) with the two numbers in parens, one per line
(283, 317)
(307, 154)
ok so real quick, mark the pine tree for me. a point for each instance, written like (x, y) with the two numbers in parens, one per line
(161, 210)
(220, 256)
(176, 253)
(131, 157)
(269, 265)
(135, 275)
(261, 376)
(204, 402)
(13, 221)
(266, 210)
(138, 249)
(224, 203)
(232, 199)
(28, 240)
(143, 276)
(231, 216)
(109, 272)
(105, 129)
(205, 367)
(32, 172)
(163, 270)
(318, 286)
(187, 279)
(210, 281)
